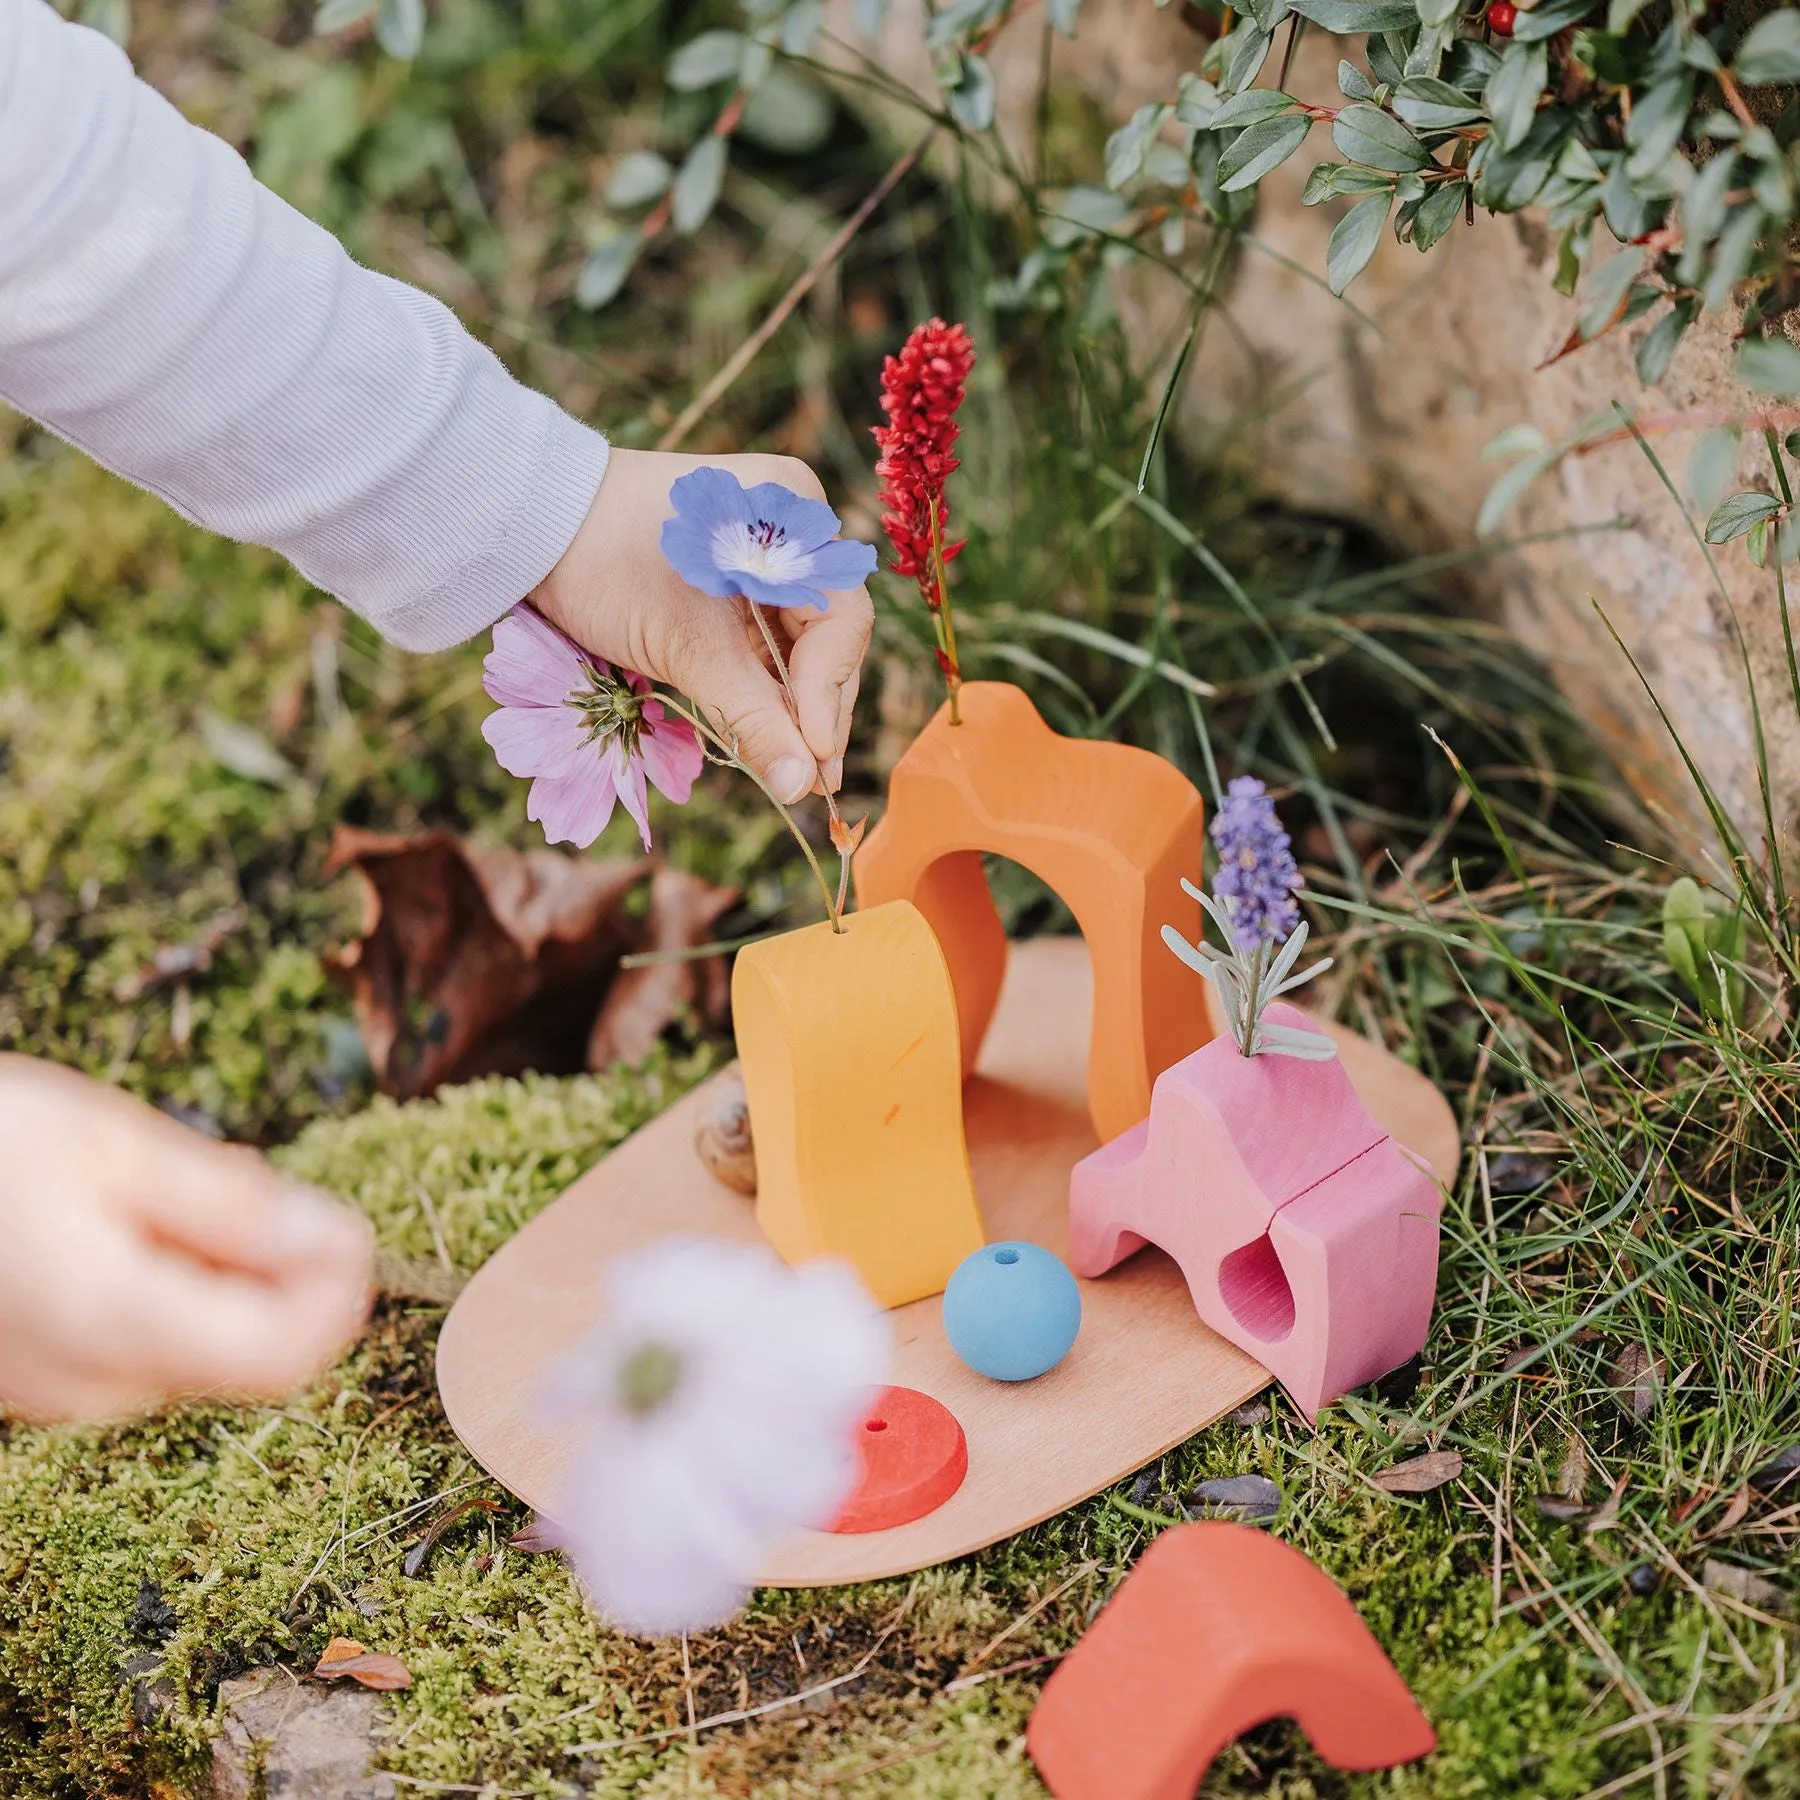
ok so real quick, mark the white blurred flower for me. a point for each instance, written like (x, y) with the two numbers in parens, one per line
(721, 1390)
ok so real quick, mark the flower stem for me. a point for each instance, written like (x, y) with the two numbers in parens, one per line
(728, 753)
(1253, 1000)
(840, 835)
(942, 617)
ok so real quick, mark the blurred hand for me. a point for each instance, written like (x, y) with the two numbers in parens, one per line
(615, 594)
(140, 1261)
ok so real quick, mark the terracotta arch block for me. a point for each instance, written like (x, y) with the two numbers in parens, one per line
(1307, 1236)
(1218, 1628)
(1111, 828)
(854, 1082)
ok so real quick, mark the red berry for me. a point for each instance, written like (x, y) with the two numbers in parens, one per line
(1502, 15)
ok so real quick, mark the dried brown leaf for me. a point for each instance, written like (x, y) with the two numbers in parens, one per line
(845, 836)
(474, 962)
(1421, 1474)
(539, 1538)
(1736, 1511)
(417, 1555)
(1745, 1585)
(1636, 1379)
(346, 1659)
(643, 1002)
(1561, 1508)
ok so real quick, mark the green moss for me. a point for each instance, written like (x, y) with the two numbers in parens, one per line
(267, 1531)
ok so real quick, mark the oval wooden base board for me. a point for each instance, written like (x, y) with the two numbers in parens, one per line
(1144, 1374)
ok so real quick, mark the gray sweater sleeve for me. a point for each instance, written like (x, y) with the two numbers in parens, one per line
(185, 327)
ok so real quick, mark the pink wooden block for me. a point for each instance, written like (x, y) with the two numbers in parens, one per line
(1308, 1237)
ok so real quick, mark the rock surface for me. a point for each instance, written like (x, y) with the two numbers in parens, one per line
(286, 1739)
(1383, 418)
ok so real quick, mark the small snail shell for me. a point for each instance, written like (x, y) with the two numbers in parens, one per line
(722, 1137)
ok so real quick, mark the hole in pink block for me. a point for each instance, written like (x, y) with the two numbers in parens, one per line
(1254, 1285)
(875, 1425)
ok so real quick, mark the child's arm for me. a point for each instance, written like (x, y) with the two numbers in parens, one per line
(190, 330)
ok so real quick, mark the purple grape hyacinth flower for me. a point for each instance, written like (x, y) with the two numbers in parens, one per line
(765, 543)
(1257, 875)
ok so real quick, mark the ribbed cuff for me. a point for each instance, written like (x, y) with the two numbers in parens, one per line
(570, 461)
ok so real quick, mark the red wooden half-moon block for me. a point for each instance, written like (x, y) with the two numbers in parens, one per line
(914, 1457)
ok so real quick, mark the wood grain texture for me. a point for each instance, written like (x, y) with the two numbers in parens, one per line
(852, 1066)
(1145, 1373)
(1110, 827)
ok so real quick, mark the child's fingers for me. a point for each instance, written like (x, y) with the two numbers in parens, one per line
(733, 688)
(826, 667)
(226, 1205)
(197, 1329)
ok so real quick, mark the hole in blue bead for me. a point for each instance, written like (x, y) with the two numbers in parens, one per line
(1006, 1256)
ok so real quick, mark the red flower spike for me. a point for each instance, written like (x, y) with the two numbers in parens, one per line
(921, 389)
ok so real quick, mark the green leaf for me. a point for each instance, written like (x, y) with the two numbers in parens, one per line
(1126, 147)
(1703, 941)
(340, 15)
(1064, 15)
(1251, 107)
(1658, 348)
(1353, 241)
(1771, 366)
(400, 27)
(971, 100)
(1733, 254)
(1656, 124)
(1196, 101)
(1734, 516)
(1606, 289)
(1429, 104)
(1712, 466)
(790, 113)
(1438, 12)
(607, 269)
(1547, 19)
(1620, 14)
(1506, 492)
(706, 60)
(1249, 51)
(1267, 13)
(638, 179)
(1703, 210)
(800, 26)
(696, 189)
(1349, 18)
(1353, 84)
(1366, 134)
(1259, 148)
(1438, 211)
(1771, 53)
(1513, 92)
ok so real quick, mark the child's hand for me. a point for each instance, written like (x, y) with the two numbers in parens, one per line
(614, 593)
(139, 1260)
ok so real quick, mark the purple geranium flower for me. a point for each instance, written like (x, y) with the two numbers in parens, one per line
(590, 734)
(1257, 875)
(765, 543)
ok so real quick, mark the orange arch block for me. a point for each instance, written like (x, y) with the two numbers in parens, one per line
(1219, 1627)
(1111, 828)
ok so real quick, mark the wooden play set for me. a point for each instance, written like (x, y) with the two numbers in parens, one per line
(929, 1101)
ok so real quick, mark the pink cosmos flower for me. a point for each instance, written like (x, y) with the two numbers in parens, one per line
(588, 733)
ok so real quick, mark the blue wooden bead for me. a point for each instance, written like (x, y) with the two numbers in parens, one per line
(1011, 1311)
